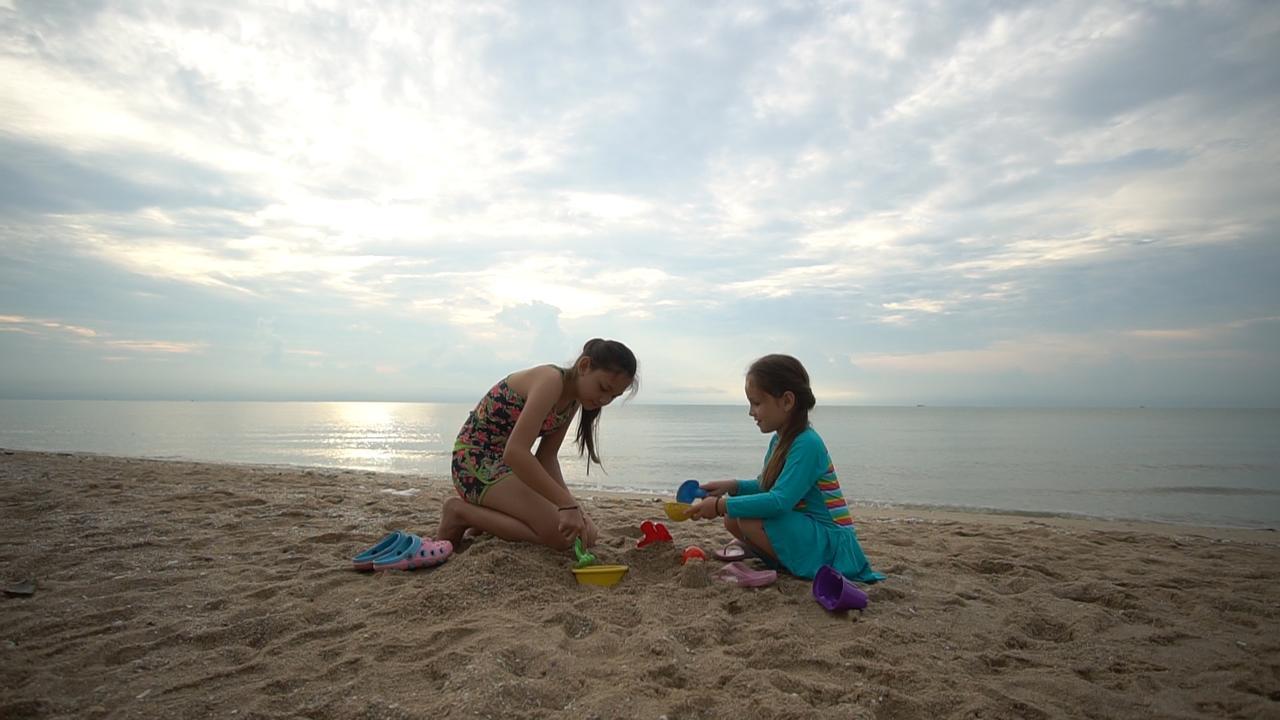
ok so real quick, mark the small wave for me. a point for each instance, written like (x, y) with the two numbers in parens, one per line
(1206, 490)
(1065, 515)
(978, 509)
(1203, 467)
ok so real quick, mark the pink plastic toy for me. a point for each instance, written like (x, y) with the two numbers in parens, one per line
(653, 533)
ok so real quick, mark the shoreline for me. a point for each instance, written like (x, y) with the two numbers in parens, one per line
(863, 507)
(169, 588)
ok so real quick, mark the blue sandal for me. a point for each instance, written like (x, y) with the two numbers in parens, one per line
(393, 541)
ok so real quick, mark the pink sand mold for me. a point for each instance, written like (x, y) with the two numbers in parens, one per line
(835, 592)
(739, 574)
(420, 553)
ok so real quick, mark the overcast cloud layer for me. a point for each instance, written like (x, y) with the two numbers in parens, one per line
(981, 203)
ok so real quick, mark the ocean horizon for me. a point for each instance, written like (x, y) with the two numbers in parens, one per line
(1198, 466)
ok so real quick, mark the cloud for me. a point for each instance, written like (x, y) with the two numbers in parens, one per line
(66, 332)
(412, 197)
(38, 326)
(1047, 355)
(156, 346)
(44, 179)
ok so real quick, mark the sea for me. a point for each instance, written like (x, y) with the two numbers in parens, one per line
(1217, 467)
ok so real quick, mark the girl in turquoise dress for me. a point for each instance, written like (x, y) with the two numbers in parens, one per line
(794, 514)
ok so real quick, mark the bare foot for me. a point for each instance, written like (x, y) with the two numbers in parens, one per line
(451, 525)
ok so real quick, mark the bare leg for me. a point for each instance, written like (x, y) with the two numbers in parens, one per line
(519, 503)
(753, 533)
(452, 526)
(458, 515)
(450, 520)
(510, 510)
(731, 524)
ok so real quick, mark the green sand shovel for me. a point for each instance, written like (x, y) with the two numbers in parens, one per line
(584, 558)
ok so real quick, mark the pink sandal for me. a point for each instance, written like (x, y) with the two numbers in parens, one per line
(738, 574)
(420, 553)
(734, 550)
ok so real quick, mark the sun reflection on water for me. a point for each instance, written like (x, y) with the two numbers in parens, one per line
(378, 435)
(365, 414)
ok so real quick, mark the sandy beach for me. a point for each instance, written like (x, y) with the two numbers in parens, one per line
(185, 590)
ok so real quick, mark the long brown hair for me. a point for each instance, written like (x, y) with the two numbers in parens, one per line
(778, 375)
(609, 356)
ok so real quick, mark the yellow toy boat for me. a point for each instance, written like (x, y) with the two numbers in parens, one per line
(600, 574)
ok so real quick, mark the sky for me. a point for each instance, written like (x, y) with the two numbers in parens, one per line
(943, 203)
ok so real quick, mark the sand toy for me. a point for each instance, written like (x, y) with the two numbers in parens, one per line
(689, 491)
(835, 592)
(677, 511)
(653, 533)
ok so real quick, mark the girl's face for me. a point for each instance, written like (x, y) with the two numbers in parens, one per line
(597, 388)
(769, 412)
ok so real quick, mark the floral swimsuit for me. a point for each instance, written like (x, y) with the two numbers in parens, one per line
(477, 453)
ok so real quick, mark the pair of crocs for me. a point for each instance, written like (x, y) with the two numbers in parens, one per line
(403, 551)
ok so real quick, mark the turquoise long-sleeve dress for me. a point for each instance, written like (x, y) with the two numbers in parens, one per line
(804, 512)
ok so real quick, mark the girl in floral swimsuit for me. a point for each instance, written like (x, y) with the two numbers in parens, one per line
(507, 487)
(478, 451)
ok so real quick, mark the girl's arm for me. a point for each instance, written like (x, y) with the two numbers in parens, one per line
(548, 454)
(717, 488)
(545, 386)
(548, 457)
(800, 471)
(747, 487)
